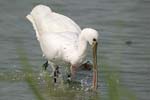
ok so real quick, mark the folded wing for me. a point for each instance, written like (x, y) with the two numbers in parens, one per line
(46, 21)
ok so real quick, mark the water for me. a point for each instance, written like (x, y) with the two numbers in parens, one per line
(124, 39)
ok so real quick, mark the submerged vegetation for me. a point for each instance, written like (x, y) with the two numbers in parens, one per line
(44, 88)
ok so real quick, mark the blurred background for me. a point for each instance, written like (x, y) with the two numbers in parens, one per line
(124, 27)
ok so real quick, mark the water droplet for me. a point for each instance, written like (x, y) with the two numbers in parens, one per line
(77, 89)
(86, 89)
(38, 78)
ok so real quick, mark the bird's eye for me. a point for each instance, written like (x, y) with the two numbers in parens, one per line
(94, 39)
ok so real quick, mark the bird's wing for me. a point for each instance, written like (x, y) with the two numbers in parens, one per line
(59, 45)
(46, 21)
(63, 23)
(69, 37)
(62, 39)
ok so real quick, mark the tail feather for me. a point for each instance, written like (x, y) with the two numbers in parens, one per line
(30, 18)
(37, 18)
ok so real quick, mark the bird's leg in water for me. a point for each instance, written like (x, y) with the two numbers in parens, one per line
(73, 71)
(45, 65)
(56, 74)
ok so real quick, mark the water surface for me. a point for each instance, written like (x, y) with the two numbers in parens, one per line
(124, 40)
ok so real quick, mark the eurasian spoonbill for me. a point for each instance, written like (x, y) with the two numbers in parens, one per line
(62, 40)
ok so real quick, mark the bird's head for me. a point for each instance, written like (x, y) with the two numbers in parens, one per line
(91, 36)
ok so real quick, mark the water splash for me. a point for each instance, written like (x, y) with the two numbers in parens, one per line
(85, 85)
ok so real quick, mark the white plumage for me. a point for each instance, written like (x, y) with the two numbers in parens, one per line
(51, 21)
(60, 38)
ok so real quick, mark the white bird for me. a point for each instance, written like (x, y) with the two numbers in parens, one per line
(62, 40)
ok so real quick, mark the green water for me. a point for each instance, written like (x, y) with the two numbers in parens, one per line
(123, 54)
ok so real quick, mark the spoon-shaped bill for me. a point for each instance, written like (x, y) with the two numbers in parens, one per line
(95, 71)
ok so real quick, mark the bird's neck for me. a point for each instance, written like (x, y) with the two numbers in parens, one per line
(82, 46)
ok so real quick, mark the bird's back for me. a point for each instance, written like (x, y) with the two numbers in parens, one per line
(46, 21)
